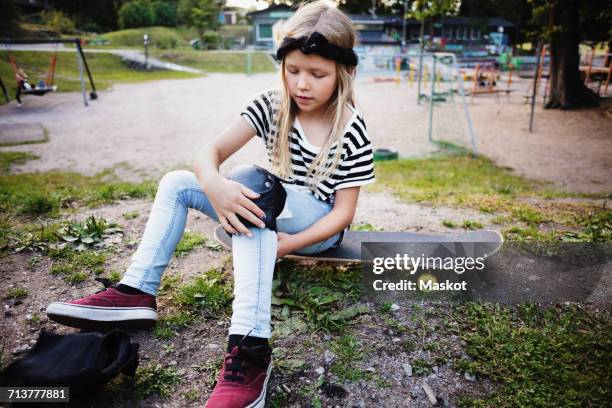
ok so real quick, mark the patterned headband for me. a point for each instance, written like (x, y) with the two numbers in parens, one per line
(318, 44)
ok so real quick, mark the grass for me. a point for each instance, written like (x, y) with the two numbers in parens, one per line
(15, 293)
(325, 297)
(459, 179)
(544, 357)
(189, 242)
(156, 379)
(160, 37)
(168, 325)
(44, 194)
(106, 69)
(209, 293)
(7, 159)
(76, 266)
(349, 352)
(218, 61)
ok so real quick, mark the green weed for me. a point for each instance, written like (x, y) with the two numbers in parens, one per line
(168, 325)
(324, 295)
(421, 367)
(449, 224)
(88, 232)
(209, 293)
(365, 227)
(471, 225)
(349, 352)
(189, 242)
(76, 266)
(154, 378)
(130, 215)
(15, 293)
(7, 159)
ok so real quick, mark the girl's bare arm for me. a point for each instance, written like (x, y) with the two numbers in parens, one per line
(227, 197)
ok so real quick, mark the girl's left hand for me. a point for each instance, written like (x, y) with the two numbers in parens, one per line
(285, 246)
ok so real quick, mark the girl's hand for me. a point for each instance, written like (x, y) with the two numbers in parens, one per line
(285, 244)
(230, 198)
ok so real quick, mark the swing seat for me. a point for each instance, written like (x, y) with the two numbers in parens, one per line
(39, 91)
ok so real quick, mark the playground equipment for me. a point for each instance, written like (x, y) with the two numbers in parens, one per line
(45, 86)
(449, 117)
(486, 78)
(600, 73)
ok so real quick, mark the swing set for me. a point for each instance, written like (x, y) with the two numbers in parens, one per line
(43, 87)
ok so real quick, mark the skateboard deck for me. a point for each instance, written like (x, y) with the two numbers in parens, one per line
(488, 242)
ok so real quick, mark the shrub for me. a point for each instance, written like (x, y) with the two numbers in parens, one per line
(58, 21)
(137, 13)
(164, 13)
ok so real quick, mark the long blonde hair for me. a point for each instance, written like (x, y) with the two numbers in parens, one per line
(338, 29)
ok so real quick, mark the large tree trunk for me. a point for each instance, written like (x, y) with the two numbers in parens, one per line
(567, 90)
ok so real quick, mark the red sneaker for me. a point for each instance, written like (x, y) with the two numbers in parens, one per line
(243, 378)
(105, 310)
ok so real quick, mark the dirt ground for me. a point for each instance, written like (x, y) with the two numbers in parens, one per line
(144, 130)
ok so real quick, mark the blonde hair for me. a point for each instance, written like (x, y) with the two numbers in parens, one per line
(338, 29)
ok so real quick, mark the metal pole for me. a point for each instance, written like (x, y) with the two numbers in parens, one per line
(535, 86)
(404, 24)
(249, 63)
(83, 88)
(420, 61)
(4, 91)
(92, 94)
(431, 100)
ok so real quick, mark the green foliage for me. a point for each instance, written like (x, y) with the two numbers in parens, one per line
(596, 227)
(130, 215)
(164, 13)
(58, 21)
(189, 242)
(136, 13)
(421, 367)
(15, 293)
(545, 357)
(471, 225)
(156, 379)
(209, 293)
(449, 224)
(215, 61)
(76, 266)
(168, 325)
(87, 233)
(349, 352)
(323, 296)
(7, 159)
(365, 227)
(199, 14)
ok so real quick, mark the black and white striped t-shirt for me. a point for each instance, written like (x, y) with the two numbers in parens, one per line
(356, 165)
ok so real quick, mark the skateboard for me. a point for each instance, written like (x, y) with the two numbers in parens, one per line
(480, 243)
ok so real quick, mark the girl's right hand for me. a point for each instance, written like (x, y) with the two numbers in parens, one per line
(230, 198)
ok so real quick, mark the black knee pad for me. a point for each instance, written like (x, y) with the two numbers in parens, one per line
(272, 193)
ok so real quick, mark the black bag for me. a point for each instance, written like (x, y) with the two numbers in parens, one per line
(82, 361)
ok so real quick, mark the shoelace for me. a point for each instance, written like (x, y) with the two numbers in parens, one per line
(237, 363)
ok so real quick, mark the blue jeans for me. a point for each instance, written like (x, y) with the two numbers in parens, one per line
(254, 258)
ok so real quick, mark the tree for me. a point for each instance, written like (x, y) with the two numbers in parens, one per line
(199, 14)
(570, 22)
(137, 13)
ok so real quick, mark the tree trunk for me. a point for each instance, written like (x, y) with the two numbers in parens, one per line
(567, 90)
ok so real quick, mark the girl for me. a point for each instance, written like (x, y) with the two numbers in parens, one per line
(316, 139)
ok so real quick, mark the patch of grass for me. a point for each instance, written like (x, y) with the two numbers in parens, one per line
(449, 224)
(459, 179)
(88, 232)
(114, 277)
(421, 367)
(161, 37)
(7, 159)
(76, 266)
(156, 379)
(189, 242)
(324, 295)
(365, 227)
(209, 293)
(46, 193)
(547, 357)
(215, 61)
(168, 325)
(130, 215)
(471, 225)
(348, 352)
(15, 293)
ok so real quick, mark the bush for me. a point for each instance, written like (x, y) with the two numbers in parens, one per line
(136, 13)
(164, 14)
(58, 21)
